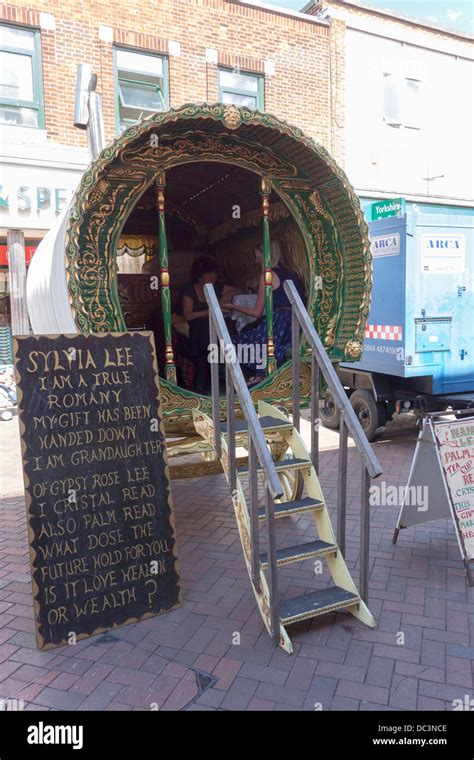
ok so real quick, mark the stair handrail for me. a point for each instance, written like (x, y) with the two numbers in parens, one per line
(348, 424)
(374, 468)
(258, 449)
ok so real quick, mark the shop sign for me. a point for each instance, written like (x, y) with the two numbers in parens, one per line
(26, 198)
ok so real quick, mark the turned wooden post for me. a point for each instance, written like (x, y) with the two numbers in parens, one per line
(170, 368)
(265, 190)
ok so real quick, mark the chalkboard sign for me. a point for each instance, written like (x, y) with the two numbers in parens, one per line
(98, 499)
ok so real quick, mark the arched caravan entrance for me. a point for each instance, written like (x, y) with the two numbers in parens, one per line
(212, 209)
(160, 171)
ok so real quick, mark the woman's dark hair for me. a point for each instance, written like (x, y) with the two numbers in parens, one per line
(202, 265)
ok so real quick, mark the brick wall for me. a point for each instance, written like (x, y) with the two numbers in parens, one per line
(337, 76)
(244, 36)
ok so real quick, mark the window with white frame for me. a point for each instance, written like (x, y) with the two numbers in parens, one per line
(21, 90)
(241, 88)
(402, 102)
(412, 105)
(141, 85)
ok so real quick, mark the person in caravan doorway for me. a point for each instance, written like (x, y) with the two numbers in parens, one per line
(195, 312)
(256, 332)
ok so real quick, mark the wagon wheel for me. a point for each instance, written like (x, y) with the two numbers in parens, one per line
(293, 484)
(291, 480)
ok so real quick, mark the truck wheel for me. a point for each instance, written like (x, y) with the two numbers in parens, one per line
(365, 407)
(329, 412)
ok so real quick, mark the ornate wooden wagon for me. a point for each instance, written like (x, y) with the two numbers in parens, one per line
(219, 179)
(214, 178)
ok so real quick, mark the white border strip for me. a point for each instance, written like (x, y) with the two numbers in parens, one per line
(278, 9)
(391, 29)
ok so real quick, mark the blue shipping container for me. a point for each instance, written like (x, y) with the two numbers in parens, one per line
(421, 322)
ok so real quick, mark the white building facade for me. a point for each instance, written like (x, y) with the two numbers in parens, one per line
(409, 109)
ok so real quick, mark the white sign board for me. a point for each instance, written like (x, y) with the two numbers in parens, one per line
(443, 254)
(386, 245)
(456, 448)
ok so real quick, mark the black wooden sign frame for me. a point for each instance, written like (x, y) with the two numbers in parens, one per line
(67, 460)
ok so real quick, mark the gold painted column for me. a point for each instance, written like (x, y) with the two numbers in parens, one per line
(170, 368)
(265, 190)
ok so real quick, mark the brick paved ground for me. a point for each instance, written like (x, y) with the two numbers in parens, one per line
(417, 588)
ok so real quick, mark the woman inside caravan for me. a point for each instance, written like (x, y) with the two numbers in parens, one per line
(256, 332)
(195, 313)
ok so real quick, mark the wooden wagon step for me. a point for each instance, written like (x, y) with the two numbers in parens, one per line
(300, 552)
(286, 508)
(316, 603)
(285, 464)
(268, 424)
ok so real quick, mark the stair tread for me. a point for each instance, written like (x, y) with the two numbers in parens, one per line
(315, 603)
(285, 464)
(266, 423)
(291, 507)
(300, 551)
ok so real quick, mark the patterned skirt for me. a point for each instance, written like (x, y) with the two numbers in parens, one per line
(257, 337)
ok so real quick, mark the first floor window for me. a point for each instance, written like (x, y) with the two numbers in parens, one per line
(241, 88)
(141, 85)
(21, 92)
(402, 102)
(413, 105)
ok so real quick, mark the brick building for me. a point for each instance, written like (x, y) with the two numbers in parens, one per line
(147, 57)
(330, 69)
(191, 44)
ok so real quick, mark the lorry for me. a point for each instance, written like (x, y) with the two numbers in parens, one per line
(418, 350)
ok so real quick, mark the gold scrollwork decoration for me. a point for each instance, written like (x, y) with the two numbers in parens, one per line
(312, 186)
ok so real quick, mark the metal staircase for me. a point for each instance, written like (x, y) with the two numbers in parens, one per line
(255, 433)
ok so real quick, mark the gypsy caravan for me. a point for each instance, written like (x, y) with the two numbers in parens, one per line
(217, 180)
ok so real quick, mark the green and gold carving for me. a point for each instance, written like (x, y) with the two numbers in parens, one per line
(170, 369)
(313, 188)
(265, 189)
